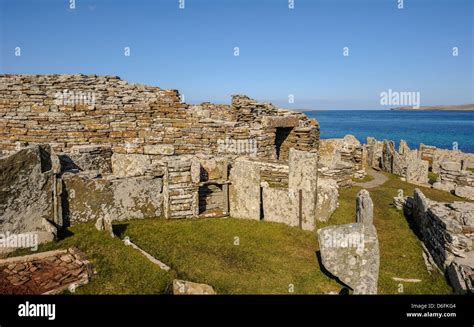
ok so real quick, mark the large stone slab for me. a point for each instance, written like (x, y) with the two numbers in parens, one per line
(417, 169)
(302, 184)
(466, 192)
(87, 157)
(327, 198)
(88, 199)
(280, 206)
(27, 185)
(388, 153)
(351, 251)
(244, 190)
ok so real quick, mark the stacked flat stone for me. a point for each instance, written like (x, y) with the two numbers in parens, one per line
(181, 189)
(128, 117)
(452, 178)
(447, 230)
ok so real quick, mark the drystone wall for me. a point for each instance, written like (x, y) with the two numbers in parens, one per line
(79, 148)
(342, 159)
(75, 110)
(452, 178)
(404, 162)
(447, 230)
(436, 157)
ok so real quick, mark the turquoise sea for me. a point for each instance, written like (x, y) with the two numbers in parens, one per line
(439, 128)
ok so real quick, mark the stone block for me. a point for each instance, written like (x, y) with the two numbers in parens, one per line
(280, 206)
(244, 191)
(26, 193)
(159, 149)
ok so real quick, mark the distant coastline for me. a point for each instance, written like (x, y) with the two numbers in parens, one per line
(450, 107)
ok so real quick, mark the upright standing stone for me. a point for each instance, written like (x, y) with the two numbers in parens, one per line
(351, 251)
(244, 190)
(302, 185)
(364, 208)
(26, 193)
(388, 154)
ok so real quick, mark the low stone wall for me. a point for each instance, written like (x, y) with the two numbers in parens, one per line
(447, 230)
(342, 173)
(452, 178)
(299, 202)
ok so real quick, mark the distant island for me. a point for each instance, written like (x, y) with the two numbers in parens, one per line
(451, 107)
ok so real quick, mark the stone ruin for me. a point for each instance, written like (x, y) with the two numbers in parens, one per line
(453, 177)
(405, 162)
(436, 157)
(138, 152)
(447, 231)
(351, 251)
(342, 159)
(451, 166)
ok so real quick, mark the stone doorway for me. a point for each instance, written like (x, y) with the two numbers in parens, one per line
(281, 144)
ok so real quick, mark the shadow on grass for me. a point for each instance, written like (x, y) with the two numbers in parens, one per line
(346, 289)
(64, 233)
(119, 229)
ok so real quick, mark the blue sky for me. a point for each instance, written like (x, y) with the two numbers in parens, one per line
(282, 51)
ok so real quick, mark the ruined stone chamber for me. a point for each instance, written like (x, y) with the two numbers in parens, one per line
(447, 232)
(80, 148)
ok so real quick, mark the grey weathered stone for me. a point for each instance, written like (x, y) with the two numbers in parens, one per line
(244, 191)
(460, 274)
(159, 149)
(364, 208)
(388, 152)
(302, 185)
(327, 198)
(89, 199)
(130, 165)
(87, 157)
(464, 192)
(280, 206)
(181, 188)
(444, 228)
(351, 251)
(104, 223)
(183, 287)
(416, 169)
(26, 193)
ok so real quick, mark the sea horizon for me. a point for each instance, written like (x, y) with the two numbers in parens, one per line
(443, 129)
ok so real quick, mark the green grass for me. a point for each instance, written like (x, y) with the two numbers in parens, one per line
(367, 178)
(268, 259)
(432, 177)
(120, 269)
(400, 249)
(470, 169)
